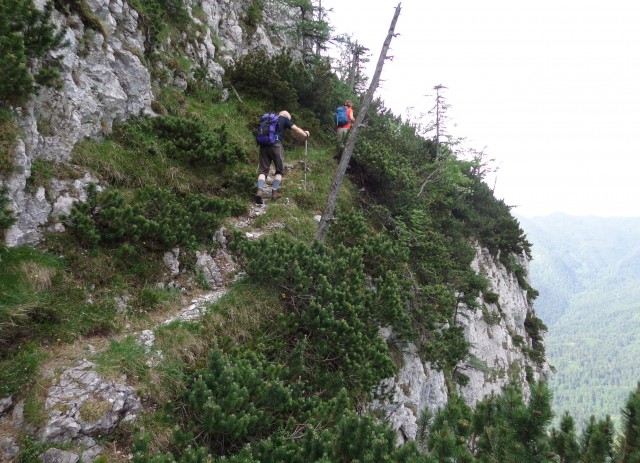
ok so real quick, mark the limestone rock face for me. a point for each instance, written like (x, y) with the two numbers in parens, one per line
(415, 388)
(106, 80)
(497, 336)
(497, 333)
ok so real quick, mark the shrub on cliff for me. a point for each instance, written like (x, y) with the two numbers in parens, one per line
(7, 218)
(154, 218)
(27, 38)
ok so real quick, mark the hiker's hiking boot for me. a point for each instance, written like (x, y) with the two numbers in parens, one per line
(259, 196)
(275, 194)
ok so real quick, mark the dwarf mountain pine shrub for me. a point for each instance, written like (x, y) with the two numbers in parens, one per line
(82, 9)
(27, 38)
(282, 82)
(244, 408)
(7, 217)
(564, 441)
(157, 14)
(154, 218)
(507, 428)
(8, 140)
(192, 142)
(331, 313)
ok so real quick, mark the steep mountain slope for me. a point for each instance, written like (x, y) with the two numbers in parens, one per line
(587, 270)
(129, 190)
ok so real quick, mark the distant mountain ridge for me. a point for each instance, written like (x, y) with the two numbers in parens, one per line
(587, 270)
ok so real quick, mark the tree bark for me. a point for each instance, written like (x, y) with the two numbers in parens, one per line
(330, 207)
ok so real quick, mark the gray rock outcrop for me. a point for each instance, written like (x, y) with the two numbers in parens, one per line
(497, 335)
(83, 404)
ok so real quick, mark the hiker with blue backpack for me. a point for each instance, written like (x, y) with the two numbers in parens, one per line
(269, 135)
(344, 118)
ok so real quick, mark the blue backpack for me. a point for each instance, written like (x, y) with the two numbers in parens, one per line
(341, 116)
(265, 132)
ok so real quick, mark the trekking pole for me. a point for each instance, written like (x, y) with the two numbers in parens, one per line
(305, 164)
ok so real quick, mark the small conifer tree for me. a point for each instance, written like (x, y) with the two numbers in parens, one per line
(510, 430)
(597, 441)
(449, 434)
(630, 440)
(565, 442)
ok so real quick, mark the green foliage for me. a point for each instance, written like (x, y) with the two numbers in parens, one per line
(630, 440)
(492, 221)
(19, 368)
(511, 263)
(398, 168)
(450, 431)
(26, 35)
(587, 275)
(509, 429)
(308, 30)
(253, 16)
(506, 428)
(381, 252)
(183, 153)
(41, 305)
(312, 352)
(266, 78)
(154, 218)
(283, 83)
(490, 297)
(564, 441)
(149, 298)
(39, 302)
(242, 409)
(8, 140)
(596, 442)
(237, 399)
(31, 449)
(25, 276)
(126, 357)
(535, 328)
(331, 315)
(157, 14)
(42, 171)
(7, 217)
(191, 141)
(82, 9)
(352, 439)
(447, 346)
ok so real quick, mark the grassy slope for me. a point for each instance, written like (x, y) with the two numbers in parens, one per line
(59, 298)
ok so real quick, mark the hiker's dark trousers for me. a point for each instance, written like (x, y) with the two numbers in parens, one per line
(268, 154)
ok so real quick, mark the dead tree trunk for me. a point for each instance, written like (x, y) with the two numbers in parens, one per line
(355, 66)
(353, 133)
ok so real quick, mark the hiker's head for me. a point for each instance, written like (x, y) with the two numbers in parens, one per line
(348, 103)
(285, 114)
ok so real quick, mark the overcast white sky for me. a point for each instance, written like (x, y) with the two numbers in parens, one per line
(551, 88)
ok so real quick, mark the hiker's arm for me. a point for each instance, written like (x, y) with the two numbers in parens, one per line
(304, 133)
(353, 119)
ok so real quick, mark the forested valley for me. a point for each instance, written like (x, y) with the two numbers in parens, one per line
(587, 271)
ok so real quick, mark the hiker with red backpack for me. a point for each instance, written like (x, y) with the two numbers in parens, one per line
(344, 118)
(269, 135)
